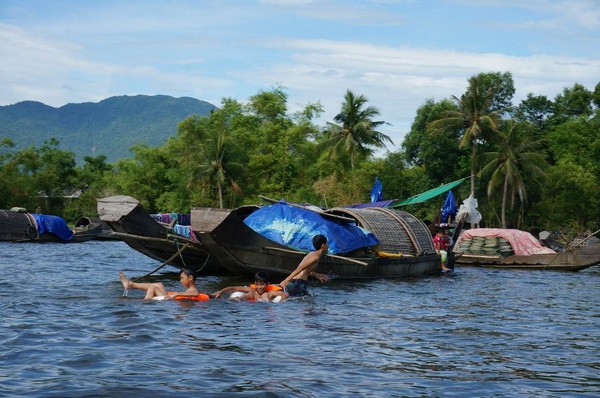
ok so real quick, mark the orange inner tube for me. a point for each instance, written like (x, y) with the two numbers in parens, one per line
(199, 297)
(269, 287)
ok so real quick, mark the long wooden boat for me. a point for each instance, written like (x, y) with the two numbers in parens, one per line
(18, 225)
(514, 249)
(131, 223)
(405, 248)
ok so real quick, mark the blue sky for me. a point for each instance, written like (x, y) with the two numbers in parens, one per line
(397, 53)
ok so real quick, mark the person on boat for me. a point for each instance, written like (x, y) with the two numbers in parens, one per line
(158, 291)
(260, 291)
(441, 242)
(296, 283)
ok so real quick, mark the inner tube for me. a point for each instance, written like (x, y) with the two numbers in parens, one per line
(269, 287)
(199, 297)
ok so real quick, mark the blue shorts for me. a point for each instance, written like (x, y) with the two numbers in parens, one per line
(296, 288)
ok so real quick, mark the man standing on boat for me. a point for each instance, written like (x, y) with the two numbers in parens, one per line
(296, 283)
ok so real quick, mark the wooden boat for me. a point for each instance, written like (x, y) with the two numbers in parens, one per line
(105, 232)
(405, 249)
(132, 224)
(515, 249)
(18, 225)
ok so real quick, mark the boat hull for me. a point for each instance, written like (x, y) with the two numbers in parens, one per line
(21, 226)
(132, 224)
(574, 259)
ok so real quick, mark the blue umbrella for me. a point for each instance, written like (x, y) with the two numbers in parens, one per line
(377, 191)
(449, 208)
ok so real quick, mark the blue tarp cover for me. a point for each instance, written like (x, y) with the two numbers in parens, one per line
(295, 227)
(377, 191)
(54, 225)
(449, 207)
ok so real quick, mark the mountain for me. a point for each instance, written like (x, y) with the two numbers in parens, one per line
(110, 127)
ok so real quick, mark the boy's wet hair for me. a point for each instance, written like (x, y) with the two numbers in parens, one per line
(318, 241)
(261, 276)
(188, 272)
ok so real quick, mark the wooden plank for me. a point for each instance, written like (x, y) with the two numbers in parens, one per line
(207, 218)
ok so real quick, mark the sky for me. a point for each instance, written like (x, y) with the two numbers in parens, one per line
(397, 53)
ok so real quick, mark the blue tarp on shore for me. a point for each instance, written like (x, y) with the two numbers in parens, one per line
(295, 227)
(54, 225)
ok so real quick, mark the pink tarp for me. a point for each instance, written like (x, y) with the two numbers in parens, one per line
(523, 243)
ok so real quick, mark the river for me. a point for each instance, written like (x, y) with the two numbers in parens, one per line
(68, 331)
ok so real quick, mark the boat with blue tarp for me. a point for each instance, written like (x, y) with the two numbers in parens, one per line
(19, 225)
(364, 242)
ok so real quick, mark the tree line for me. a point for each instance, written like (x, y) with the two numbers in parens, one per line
(533, 165)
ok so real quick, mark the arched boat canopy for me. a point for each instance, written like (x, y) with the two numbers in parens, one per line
(398, 231)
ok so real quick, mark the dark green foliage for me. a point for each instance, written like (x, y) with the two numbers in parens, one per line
(109, 127)
(233, 154)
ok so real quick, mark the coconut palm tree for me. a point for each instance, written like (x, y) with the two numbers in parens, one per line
(355, 131)
(212, 157)
(219, 164)
(473, 117)
(515, 160)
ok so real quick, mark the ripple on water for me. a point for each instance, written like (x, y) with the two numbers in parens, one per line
(68, 331)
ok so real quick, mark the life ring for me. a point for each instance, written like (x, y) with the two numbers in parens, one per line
(240, 295)
(269, 287)
(199, 297)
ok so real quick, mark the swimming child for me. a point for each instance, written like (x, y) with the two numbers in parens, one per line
(158, 291)
(296, 283)
(257, 292)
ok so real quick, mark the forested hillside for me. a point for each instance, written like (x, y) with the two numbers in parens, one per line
(110, 127)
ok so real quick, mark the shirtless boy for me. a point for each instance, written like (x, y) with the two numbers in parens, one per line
(296, 283)
(258, 292)
(186, 277)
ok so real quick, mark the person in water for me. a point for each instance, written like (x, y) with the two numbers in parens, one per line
(296, 283)
(157, 290)
(256, 292)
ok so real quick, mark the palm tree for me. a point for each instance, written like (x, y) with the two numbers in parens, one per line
(220, 165)
(515, 158)
(217, 163)
(473, 117)
(356, 131)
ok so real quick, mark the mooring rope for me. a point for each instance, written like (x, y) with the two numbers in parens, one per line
(165, 263)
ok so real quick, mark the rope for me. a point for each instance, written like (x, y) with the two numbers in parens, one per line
(165, 263)
(183, 261)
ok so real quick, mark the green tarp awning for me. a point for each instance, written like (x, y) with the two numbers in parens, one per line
(432, 193)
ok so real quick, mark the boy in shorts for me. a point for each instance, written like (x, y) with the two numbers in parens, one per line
(296, 283)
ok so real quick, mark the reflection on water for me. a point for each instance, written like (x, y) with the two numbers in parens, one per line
(67, 330)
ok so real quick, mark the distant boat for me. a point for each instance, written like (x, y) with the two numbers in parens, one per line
(131, 223)
(18, 225)
(402, 247)
(515, 249)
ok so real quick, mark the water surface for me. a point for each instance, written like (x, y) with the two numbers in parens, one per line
(67, 331)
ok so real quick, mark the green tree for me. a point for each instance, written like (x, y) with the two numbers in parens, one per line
(502, 87)
(92, 184)
(147, 176)
(574, 101)
(515, 160)
(473, 118)
(356, 134)
(438, 154)
(220, 164)
(535, 109)
(570, 197)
